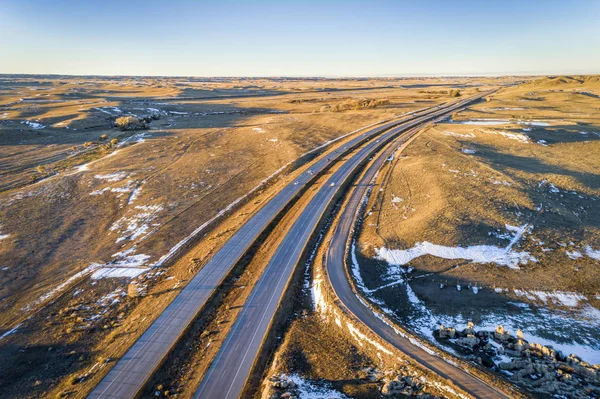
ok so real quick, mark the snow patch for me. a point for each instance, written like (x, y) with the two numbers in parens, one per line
(10, 332)
(561, 298)
(118, 272)
(112, 177)
(138, 225)
(362, 338)
(574, 254)
(310, 390)
(33, 125)
(592, 253)
(464, 136)
(476, 254)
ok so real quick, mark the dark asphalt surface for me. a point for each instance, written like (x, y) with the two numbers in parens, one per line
(131, 372)
(229, 371)
(339, 279)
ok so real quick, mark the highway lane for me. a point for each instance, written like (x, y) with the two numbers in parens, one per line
(131, 372)
(339, 279)
(229, 371)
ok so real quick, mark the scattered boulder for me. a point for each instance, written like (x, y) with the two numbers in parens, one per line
(447, 332)
(470, 341)
(501, 335)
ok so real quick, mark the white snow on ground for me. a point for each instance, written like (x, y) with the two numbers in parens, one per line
(591, 313)
(362, 338)
(477, 253)
(138, 225)
(134, 194)
(500, 122)
(592, 253)
(483, 122)
(574, 254)
(126, 264)
(396, 199)
(503, 182)
(112, 177)
(129, 187)
(449, 389)
(116, 272)
(468, 151)
(320, 304)
(136, 138)
(258, 129)
(418, 343)
(33, 125)
(355, 268)
(533, 123)
(3, 236)
(309, 390)
(48, 295)
(83, 168)
(569, 299)
(10, 332)
(100, 192)
(521, 138)
(464, 136)
(107, 110)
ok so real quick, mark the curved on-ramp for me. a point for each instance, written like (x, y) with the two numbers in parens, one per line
(339, 279)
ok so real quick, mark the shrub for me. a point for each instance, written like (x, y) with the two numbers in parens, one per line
(114, 141)
(454, 93)
(103, 137)
(356, 104)
(41, 169)
(130, 123)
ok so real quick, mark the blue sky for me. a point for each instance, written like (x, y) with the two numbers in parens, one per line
(299, 38)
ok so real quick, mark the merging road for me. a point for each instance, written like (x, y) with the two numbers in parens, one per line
(339, 279)
(231, 368)
(131, 372)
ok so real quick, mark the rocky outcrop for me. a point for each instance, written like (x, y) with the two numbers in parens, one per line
(538, 368)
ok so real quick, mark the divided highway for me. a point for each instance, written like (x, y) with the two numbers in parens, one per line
(132, 371)
(231, 368)
(339, 279)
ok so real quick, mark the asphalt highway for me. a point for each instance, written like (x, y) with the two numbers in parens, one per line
(132, 371)
(231, 368)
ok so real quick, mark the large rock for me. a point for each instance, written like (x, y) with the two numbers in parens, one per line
(501, 335)
(447, 332)
(470, 341)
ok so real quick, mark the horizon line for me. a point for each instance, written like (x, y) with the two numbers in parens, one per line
(375, 76)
